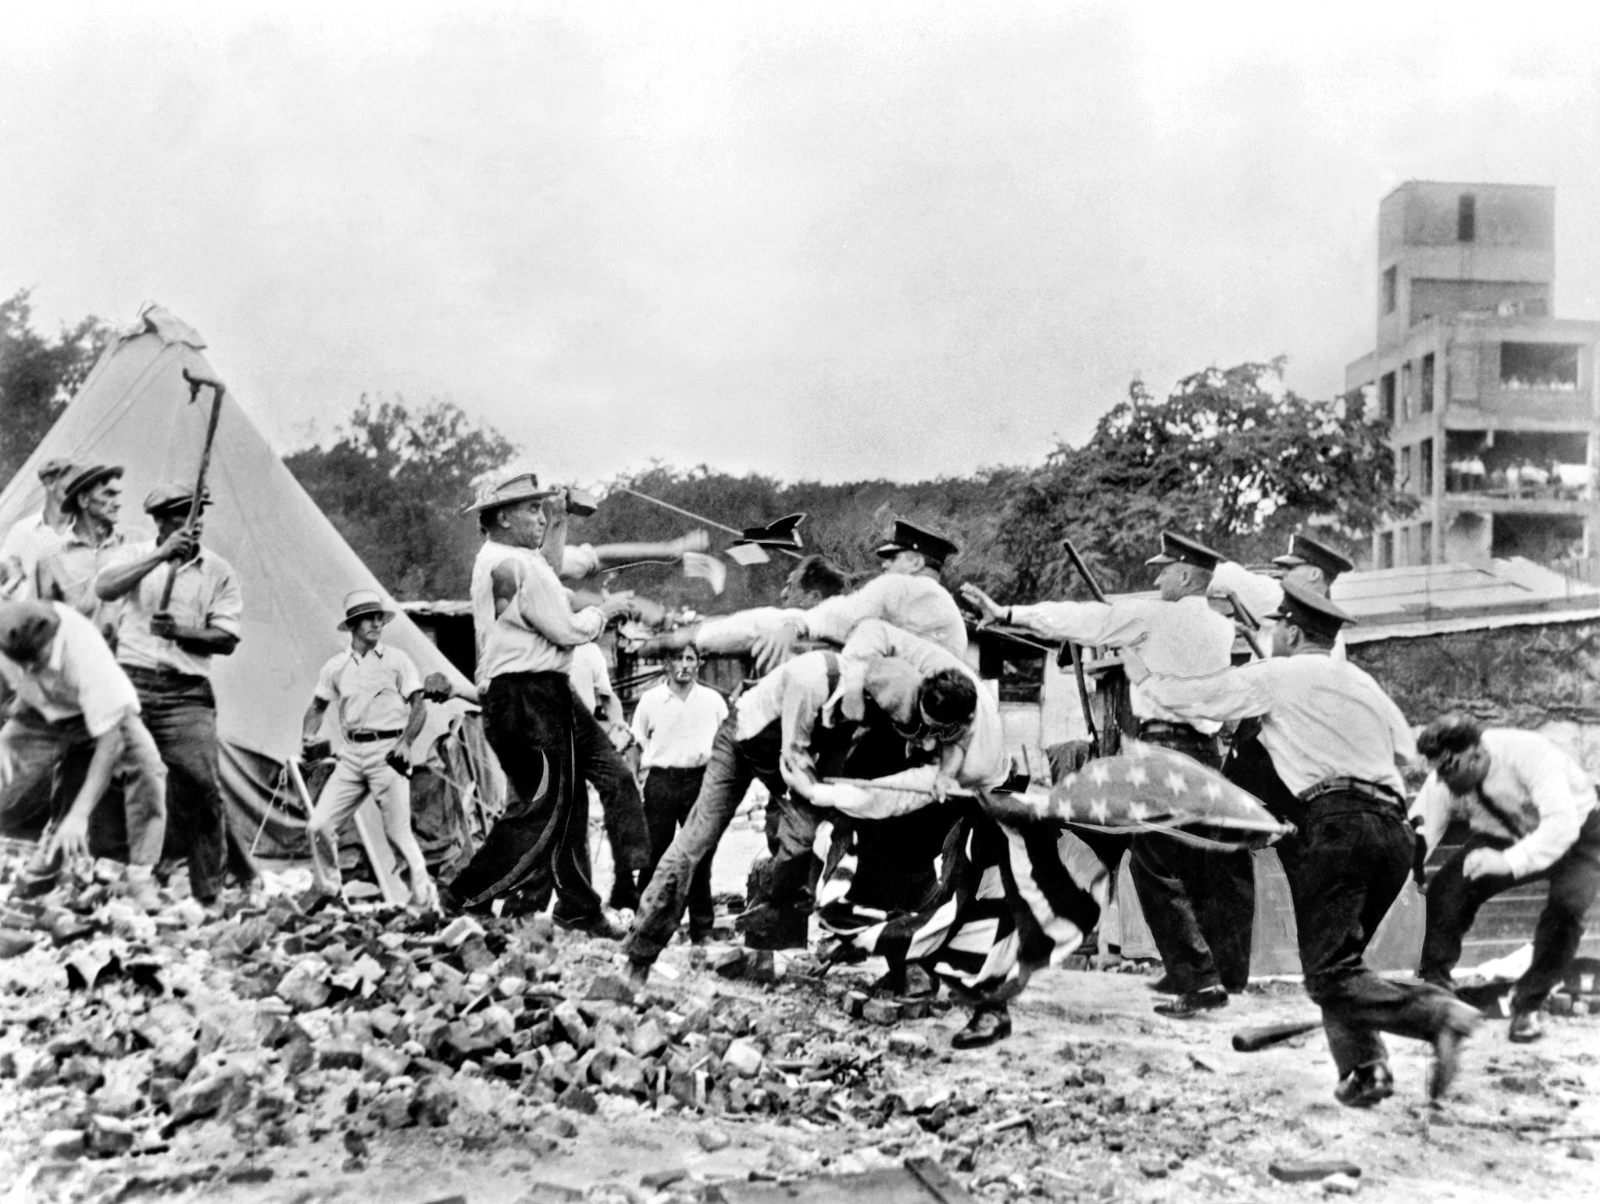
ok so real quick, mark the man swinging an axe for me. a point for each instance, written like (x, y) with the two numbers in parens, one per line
(181, 606)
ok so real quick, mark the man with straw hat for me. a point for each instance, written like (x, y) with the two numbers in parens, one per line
(378, 692)
(538, 729)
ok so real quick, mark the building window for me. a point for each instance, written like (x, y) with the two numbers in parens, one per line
(1407, 401)
(1426, 389)
(1466, 218)
(1539, 366)
(1386, 397)
(1386, 550)
(1425, 468)
(1405, 468)
(1425, 543)
(1391, 289)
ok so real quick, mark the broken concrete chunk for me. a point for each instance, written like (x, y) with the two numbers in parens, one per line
(743, 1058)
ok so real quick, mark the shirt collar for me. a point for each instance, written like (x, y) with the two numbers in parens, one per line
(377, 650)
(71, 539)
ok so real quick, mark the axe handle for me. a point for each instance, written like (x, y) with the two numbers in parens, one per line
(1248, 1040)
(196, 502)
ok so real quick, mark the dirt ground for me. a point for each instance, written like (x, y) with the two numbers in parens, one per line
(1093, 1098)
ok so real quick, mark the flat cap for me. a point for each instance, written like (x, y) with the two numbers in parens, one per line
(1305, 550)
(1180, 549)
(908, 537)
(1310, 612)
(54, 467)
(172, 497)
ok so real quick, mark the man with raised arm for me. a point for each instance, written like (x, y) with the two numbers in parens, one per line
(1199, 903)
(1337, 741)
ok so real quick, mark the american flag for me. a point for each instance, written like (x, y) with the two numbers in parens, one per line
(1150, 788)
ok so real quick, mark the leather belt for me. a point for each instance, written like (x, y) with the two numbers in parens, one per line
(1163, 727)
(369, 737)
(1356, 786)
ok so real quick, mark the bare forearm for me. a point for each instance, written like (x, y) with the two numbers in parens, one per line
(123, 579)
(415, 720)
(107, 748)
(311, 725)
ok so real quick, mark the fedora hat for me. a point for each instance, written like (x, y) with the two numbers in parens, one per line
(362, 603)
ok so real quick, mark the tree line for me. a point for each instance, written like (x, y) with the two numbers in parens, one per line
(1230, 456)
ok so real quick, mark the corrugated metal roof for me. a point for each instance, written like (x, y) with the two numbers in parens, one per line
(1393, 602)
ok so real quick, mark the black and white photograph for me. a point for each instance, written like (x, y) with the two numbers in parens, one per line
(797, 603)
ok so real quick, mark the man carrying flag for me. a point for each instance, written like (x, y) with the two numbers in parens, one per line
(1336, 739)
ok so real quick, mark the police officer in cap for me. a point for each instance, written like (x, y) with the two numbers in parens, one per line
(1199, 903)
(1337, 741)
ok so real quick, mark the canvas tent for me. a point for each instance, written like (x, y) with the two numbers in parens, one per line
(294, 567)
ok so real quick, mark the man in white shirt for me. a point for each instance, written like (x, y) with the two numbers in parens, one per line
(35, 537)
(92, 502)
(1531, 810)
(73, 719)
(1199, 903)
(675, 723)
(811, 582)
(167, 653)
(907, 594)
(538, 729)
(1336, 739)
(378, 695)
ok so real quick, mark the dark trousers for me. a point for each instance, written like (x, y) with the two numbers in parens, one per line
(180, 712)
(541, 841)
(1345, 868)
(1199, 903)
(733, 766)
(669, 797)
(1454, 899)
(602, 766)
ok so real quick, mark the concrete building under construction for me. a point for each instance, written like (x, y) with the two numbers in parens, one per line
(1494, 402)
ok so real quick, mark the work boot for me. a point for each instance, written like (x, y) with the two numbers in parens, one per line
(138, 886)
(1166, 985)
(1457, 1023)
(987, 1025)
(1192, 1003)
(1365, 1086)
(1525, 1027)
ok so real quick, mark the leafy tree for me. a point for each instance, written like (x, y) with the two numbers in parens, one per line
(1231, 458)
(394, 481)
(38, 376)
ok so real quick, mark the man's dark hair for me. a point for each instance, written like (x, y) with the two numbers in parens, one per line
(948, 696)
(821, 576)
(1451, 733)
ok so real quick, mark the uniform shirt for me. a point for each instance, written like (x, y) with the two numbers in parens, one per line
(916, 604)
(590, 679)
(1321, 718)
(75, 565)
(372, 692)
(205, 593)
(29, 541)
(676, 733)
(977, 761)
(738, 632)
(1185, 638)
(537, 631)
(80, 678)
(1261, 595)
(1543, 791)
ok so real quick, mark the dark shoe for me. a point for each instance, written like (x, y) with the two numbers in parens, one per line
(766, 926)
(1365, 1086)
(638, 973)
(606, 925)
(987, 1026)
(1525, 1027)
(1166, 985)
(1458, 1023)
(1192, 1003)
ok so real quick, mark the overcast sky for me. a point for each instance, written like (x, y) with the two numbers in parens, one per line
(816, 241)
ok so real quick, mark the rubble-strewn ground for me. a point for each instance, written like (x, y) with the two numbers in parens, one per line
(269, 1056)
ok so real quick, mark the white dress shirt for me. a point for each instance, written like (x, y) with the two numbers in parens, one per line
(80, 678)
(1546, 794)
(676, 732)
(1321, 718)
(29, 541)
(1185, 638)
(912, 603)
(590, 678)
(372, 692)
(205, 593)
